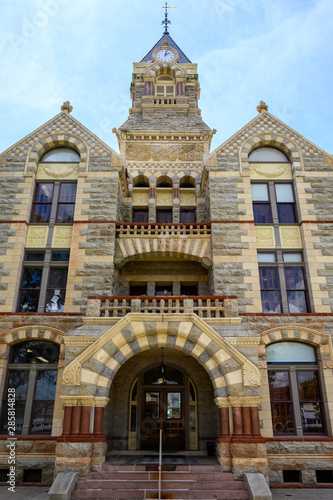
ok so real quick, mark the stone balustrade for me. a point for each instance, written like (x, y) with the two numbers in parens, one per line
(155, 229)
(204, 307)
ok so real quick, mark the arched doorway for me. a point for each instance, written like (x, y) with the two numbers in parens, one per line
(181, 403)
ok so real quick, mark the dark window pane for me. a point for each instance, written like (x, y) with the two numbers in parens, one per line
(67, 193)
(58, 277)
(60, 256)
(295, 278)
(46, 385)
(279, 385)
(297, 302)
(187, 216)
(31, 277)
(262, 213)
(55, 300)
(174, 405)
(44, 193)
(133, 418)
(269, 278)
(271, 302)
(41, 213)
(163, 290)
(34, 256)
(65, 213)
(138, 290)
(35, 351)
(312, 417)
(19, 414)
(282, 416)
(308, 386)
(28, 301)
(189, 290)
(140, 216)
(18, 380)
(42, 416)
(286, 213)
(164, 216)
(152, 406)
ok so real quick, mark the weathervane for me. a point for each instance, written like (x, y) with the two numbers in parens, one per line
(166, 20)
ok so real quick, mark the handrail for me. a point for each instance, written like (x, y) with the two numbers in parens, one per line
(160, 467)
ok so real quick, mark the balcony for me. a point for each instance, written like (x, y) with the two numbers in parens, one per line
(204, 307)
(155, 229)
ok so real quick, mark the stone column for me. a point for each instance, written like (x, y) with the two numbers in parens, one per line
(223, 441)
(152, 205)
(248, 448)
(176, 205)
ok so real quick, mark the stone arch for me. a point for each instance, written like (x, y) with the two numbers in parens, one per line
(196, 249)
(140, 178)
(321, 341)
(164, 179)
(158, 69)
(277, 141)
(92, 372)
(33, 332)
(43, 144)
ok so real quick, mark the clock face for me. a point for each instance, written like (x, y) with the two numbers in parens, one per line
(165, 55)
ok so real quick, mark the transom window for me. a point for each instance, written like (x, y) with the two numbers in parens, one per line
(43, 282)
(61, 155)
(32, 376)
(295, 392)
(268, 155)
(282, 282)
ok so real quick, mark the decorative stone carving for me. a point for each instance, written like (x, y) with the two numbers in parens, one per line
(86, 401)
(164, 152)
(328, 161)
(141, 197)
(265, 237)
(290, 237)
(222, 402)
(191, 152)
(328, 364)
(72, 374)
(68, 401)
(62, 237)
(262, 107)
(251, 375)
(57, 170)
(138, 152)
(211, 160)
(272, 171)
(245, 401)
(37, 236)
(101, 402)
(187, 197)
(66, 107)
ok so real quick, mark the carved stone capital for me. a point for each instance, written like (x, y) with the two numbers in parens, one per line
(222, 402)
(246, 401)
(251, 375)
(69, 400)
(102, 402)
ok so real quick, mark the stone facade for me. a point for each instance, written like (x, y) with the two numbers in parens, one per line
(110, 334)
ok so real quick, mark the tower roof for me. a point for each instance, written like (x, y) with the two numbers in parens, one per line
(172, 43)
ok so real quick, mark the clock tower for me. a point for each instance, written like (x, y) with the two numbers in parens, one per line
(164, 122)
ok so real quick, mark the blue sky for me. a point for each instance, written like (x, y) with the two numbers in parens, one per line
(247, 50)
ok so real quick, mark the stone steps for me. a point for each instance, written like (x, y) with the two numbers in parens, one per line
(179, 482)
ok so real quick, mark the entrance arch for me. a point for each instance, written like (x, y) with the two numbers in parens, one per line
(128, 426)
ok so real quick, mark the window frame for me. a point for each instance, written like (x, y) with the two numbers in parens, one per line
(292, 369)
(273, 203)
(281, 266)
(33, 369)
(46, 265)
(54, 203)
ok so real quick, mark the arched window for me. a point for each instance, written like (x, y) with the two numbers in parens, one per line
(165, 87)
(268, 155)
(295, 392)
(30, 388)
(61, 155)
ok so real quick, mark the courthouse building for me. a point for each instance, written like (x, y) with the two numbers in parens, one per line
(167, 286)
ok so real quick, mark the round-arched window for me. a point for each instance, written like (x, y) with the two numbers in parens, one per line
(61, 155)
(267, 155)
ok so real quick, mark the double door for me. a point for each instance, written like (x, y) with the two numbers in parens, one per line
(163, 408)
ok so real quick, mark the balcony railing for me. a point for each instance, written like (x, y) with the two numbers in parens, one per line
(204, 307)
(156, 229)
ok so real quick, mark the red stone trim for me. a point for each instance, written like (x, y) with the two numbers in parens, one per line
(286, 314)
(14, 222)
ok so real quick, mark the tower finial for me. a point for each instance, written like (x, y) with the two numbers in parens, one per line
(166, 20)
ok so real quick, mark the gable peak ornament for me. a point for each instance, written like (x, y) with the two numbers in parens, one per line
(66, 107)
(166, 20)
(262, 107)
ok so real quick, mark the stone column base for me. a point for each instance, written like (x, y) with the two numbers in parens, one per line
(223, 454)
(98, 456)
(249, 457)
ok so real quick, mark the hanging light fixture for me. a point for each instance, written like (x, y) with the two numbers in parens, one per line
(162, 369)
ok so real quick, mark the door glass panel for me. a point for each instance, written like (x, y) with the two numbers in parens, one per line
(174, 405)
(152, 407)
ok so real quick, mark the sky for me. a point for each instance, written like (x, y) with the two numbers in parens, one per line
(247, 50)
